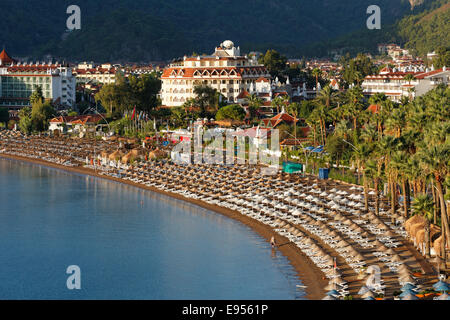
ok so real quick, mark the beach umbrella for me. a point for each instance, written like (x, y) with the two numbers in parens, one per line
(363, 290)
(408, 286)
(407, 292)
(369, 293)
(333, 293)
(441, 286)
(443, 296)
(330, 298)
(330, 286)
(370, 298)
(410, 297)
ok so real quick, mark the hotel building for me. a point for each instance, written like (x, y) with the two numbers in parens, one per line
(88, 73)
(225, 70)
(393, 84)
(19, 80)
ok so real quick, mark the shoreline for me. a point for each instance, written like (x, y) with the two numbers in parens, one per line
(309, 274)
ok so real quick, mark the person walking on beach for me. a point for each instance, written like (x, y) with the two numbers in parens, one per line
(272, 242)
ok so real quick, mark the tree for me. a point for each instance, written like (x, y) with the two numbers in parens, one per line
(327, 96)
(125, 94)
(254, 102)
(231, 112)
(356, 69)
(443, 58)
(274, 62)
(435, 160)
(178, 115)
(40, 114)
(279, 102)
(37, 96)
(144, 90)
(361, 155)
(316, 73)
(25, 124)
(111, 98)
(4, 116)
(206, 96)
(355, 104)
(423, 205)
(189, 104)
(294, 109)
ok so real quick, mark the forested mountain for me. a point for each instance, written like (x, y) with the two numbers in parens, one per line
(143, 30)
(422, 31)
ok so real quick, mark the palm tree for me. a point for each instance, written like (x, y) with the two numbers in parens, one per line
(327, 96)
(387, 146)
(423, 205)
(311, 121)
(280, 101)
(397, 121)
(316, 73)
(399, 163)
(361, 155)
(341, 129)
(373, 170)
(188, 104)
(355, 96)
(435, 160)
(254, 102)
(206, 96)
(294, 109)
(410, 77)
(369, 134)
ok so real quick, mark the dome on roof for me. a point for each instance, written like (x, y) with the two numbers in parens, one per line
(227, 44)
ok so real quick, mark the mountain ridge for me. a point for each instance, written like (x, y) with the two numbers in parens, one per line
(145, 30)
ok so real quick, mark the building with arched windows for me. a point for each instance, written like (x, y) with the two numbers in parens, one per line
(226, 70)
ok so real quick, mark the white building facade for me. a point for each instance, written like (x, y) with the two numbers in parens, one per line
(18, 81)
(394, 85)
(225, 70)
(88, 73)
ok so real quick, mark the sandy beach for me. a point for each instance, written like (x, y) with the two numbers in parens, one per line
(310, 275)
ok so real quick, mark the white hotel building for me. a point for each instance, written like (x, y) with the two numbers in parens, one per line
(225, 70)
(394, 85)
(19, 80)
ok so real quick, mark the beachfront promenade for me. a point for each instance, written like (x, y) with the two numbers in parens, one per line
(323, 220)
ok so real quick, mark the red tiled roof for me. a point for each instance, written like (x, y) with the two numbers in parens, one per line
(282, 93)
(243, 95)
(188, 72)
(80, 119)
(373, 108)
(427, 74)
(262, 79)
(32, 68)
(5, 58)
(284, 116)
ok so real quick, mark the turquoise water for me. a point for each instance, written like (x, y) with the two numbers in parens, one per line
(129, 243)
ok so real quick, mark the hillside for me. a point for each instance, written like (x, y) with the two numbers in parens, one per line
(422, 31)
(427, 31)
(143, 30)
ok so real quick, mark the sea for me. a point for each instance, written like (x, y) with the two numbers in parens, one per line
(69, 236)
